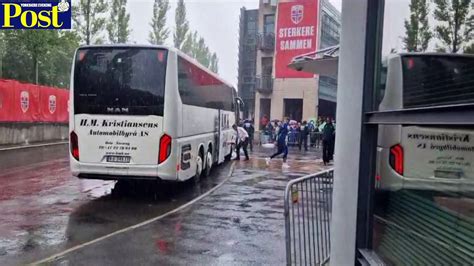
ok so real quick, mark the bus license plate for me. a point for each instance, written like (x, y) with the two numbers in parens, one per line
(118, 159)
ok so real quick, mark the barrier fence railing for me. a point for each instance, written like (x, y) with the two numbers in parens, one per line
(308, 202)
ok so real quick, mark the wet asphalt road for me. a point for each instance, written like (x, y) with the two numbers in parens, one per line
(44, 210)
(241, 223)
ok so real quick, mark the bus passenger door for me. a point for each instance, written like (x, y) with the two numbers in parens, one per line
(217, 137)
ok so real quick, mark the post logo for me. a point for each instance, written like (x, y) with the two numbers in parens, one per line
(39, 14)
(297, 12)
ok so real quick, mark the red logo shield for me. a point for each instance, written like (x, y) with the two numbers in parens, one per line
(297, 12)
(24, 101)
(52, 103)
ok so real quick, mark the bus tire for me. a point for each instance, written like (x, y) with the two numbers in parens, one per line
(228, 156)
(199, 166)
(208, 163)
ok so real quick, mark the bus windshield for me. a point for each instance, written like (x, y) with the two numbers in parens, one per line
(122, 81)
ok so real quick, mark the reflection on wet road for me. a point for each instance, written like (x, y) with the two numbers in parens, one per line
(241, 223)
(44, 210)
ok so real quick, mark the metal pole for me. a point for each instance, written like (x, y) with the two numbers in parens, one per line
(368, 141)
(36, 71)
(349, 118)
(287, 225)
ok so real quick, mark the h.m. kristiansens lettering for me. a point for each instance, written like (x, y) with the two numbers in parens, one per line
(440, 137)
(115, 123)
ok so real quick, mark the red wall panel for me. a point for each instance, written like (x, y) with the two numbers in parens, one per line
(23, 102)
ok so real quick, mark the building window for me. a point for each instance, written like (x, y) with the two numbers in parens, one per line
(251, 26)
(269, 24)
(267, 66)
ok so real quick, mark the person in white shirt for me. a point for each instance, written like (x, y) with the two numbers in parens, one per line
(242, 141)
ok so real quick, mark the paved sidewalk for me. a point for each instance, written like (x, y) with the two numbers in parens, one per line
(241, 223)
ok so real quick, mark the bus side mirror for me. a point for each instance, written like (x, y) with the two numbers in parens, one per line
(240, 102)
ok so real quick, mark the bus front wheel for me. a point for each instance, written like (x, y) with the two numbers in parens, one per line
(228, 157)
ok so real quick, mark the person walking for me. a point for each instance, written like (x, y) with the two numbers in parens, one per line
(248, 126)
(269, 130)
(328, 132)
(333, 141)
(242, 141)
(304, 132)
(281, 144)
(312, 129)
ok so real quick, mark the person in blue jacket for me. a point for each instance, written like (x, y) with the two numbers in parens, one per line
(281, 143)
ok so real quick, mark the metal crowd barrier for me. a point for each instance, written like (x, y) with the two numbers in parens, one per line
(308, 202)
(293, 138)
(315, 139)
(265, 137)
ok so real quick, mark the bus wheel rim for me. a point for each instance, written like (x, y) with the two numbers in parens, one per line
(198, 166)
(209, 161)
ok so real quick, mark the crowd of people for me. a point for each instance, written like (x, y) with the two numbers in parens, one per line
(288, 133)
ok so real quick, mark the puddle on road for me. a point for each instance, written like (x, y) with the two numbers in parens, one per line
(77, 211)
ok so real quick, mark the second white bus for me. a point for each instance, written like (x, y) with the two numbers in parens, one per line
(147, 112)
(426, 157)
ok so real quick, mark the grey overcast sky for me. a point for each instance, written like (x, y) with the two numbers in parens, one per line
(218, 22)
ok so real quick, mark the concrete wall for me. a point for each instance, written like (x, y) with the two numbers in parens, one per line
(25, 133)
(298, 88)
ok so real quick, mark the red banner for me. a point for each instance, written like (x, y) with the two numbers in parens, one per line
(23, 102)
(297, 29)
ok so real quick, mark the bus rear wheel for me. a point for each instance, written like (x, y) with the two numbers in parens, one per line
(199, 167)
(207, 170)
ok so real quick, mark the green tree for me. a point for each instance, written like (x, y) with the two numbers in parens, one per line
(195, 46)
(202, 53)
(159, 32)
(457, 24)
(2, 52)
(182, 25)
(38, 56)
(118, 26)
(190, 44)
(214, 63)
(37, 45)
(89, 19)
(56, 70)
(417, 30)
(469, 49)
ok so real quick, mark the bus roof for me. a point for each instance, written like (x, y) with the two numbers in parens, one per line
(173, 49)
(429, 54)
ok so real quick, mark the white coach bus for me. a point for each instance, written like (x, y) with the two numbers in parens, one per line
(147, 112)
(426, 157)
